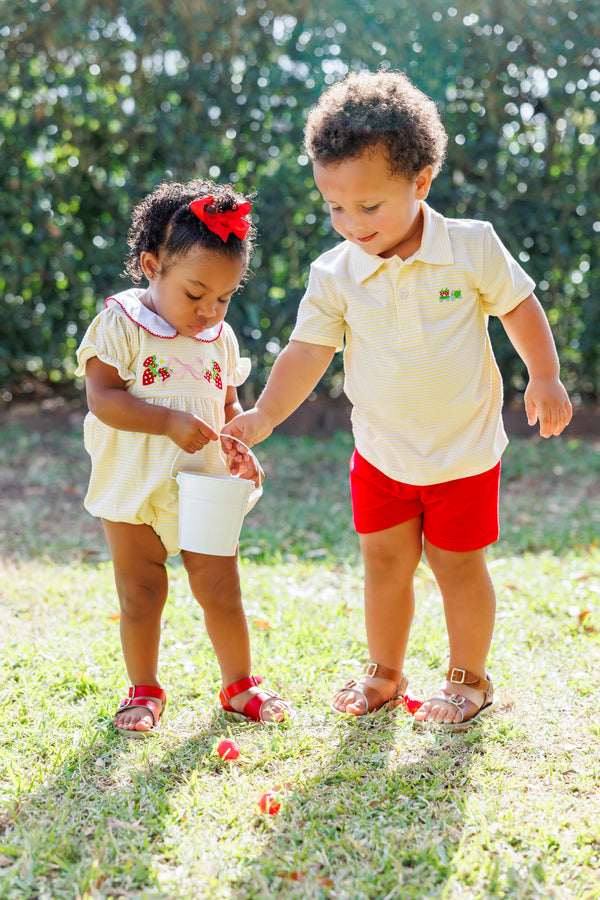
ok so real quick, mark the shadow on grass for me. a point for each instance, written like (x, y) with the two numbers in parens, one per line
(382, 819)
(104, 810)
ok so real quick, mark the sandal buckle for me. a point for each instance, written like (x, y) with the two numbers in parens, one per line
(371, 670)
(455, 679)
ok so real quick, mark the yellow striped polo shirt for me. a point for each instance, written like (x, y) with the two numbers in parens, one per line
(419, 368)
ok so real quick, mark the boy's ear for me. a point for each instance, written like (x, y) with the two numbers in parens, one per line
(423, 182)
(150, 264)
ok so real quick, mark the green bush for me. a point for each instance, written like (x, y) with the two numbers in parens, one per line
(100, 102)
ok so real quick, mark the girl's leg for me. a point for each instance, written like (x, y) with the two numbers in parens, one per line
(470, 609)
(139, 558)
(390, 559)
(215, 583)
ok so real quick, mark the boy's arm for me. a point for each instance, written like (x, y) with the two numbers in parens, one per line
(546, 400)
(297, 370)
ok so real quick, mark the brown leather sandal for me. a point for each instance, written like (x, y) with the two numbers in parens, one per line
(462, 676)
(374, 701)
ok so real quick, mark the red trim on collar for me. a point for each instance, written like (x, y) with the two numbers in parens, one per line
(167, 337)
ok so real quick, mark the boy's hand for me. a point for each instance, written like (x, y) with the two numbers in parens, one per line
(243, 464)
(188, 431)
(547, 401)
(250, 427)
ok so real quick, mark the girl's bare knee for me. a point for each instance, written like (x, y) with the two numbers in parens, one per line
(139, 605)
(214, 580)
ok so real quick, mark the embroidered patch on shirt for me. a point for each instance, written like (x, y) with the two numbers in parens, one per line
(447, 294)
(212, 373)
(155, 370)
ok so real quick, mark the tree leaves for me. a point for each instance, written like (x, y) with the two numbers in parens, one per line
(99, 102)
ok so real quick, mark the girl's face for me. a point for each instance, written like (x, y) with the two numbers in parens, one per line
(193, 294)
(371, 207)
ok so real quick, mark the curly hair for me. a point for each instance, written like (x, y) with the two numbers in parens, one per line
(369, 109)
(163, 223)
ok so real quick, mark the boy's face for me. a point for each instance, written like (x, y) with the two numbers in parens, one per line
(371, 207)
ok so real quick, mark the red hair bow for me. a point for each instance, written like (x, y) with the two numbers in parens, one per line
(231, 221)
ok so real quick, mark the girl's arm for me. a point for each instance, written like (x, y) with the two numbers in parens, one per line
(546, 400)
(233, 407)
(109, 400)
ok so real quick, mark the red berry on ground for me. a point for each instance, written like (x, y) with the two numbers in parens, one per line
(412, 704)
(228, 750)
(269, 804)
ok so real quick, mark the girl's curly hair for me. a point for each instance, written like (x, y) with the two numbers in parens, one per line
(163, 223)
(370, 109)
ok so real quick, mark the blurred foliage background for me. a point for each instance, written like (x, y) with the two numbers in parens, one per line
(101, 100)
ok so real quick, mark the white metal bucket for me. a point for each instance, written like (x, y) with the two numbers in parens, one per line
(211, 512)
(212, 509)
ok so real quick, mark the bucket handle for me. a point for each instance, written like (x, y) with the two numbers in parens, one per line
(261, 476)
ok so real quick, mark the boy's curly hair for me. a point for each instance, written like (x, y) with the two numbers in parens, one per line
(163, 223)
(369, 109)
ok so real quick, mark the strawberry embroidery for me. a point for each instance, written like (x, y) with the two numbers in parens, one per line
(212, 373)
(154, 370)
(447, 294)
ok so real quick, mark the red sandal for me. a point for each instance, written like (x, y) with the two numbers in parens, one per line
(254, 707)
(140, 697)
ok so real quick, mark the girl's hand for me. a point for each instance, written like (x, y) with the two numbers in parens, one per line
(188, 431)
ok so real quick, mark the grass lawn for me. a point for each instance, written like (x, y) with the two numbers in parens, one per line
(370, 808)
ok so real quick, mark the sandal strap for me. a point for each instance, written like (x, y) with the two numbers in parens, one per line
(139, 691)
(238, 687)
(374, 700)
(462, 676)
(375, 670)
(456, 700)
(252, 709)
(136, 696)
(254, 706)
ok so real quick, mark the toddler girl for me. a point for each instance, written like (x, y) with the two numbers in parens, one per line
(161, 370)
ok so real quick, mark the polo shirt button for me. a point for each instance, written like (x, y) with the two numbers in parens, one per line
(403, 292)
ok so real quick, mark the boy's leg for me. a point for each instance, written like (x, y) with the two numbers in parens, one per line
(215, 583)
(138, 557)
(390, 560)
(470, 608)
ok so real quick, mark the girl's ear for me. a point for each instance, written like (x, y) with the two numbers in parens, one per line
(423, 182)
(150, 264)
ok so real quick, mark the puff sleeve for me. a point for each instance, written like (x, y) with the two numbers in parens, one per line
(114, 339)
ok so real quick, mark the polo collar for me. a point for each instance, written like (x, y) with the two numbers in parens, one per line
(435, 248)
(131, 303)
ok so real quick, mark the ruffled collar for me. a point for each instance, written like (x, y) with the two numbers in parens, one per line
(131, 304)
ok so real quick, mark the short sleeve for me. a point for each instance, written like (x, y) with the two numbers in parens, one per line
(238, 367)
(114, 339)
(321, 314)
(504, 284)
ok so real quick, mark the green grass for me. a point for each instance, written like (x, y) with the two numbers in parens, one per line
(371, 809)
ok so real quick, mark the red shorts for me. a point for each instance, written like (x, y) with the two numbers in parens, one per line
(458, 515)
